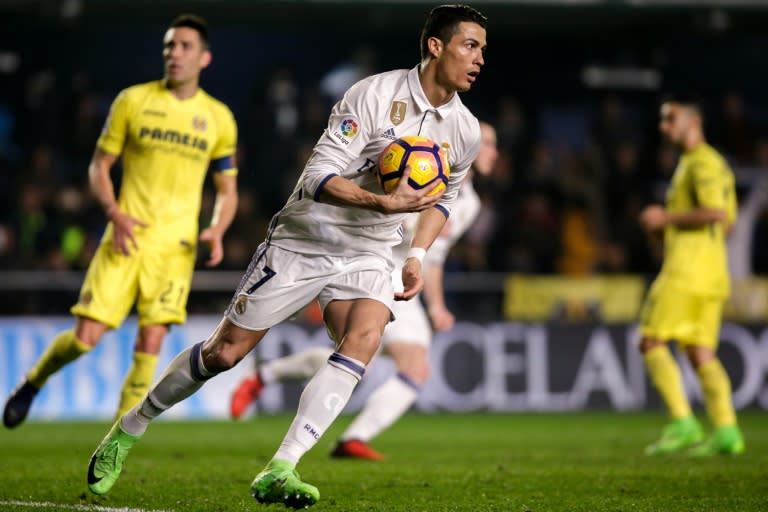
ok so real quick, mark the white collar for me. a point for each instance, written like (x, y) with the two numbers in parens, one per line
(422, 103)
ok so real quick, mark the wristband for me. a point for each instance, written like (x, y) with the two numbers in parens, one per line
(416, 252)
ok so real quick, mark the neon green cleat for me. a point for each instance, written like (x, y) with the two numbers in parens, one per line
(677, 435)
(280, 483)
(108, 459)
(723, 441)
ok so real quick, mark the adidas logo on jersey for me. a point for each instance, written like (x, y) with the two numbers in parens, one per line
(389, 134)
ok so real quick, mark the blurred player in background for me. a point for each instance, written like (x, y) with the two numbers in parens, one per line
(406, 340)
(685, 302)
(332, 241)
(169, 133)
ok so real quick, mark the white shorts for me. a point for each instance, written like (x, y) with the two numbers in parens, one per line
(411, 324)
(279, 283)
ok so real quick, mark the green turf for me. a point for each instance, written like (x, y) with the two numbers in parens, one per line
(517, 463)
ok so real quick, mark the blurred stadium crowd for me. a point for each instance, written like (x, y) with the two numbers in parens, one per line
(563, 198)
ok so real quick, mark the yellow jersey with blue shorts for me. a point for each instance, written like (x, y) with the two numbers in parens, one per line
(686, 299)
(167, 146)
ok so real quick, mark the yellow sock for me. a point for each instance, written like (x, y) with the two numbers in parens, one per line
(64, 349)
(717, 393)
(137, 381)
(665, 375)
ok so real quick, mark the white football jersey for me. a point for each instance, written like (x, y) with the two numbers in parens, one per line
(373, 112)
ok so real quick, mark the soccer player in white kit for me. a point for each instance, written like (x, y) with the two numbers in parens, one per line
(333, 241)
(406, 340)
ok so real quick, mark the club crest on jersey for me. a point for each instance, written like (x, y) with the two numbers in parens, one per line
(346, 131)
(397, 112)
(241, 305)
(199, 123)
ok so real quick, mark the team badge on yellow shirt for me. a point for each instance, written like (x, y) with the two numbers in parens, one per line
(199, 123)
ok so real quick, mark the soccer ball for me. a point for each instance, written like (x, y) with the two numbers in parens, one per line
(426, 158)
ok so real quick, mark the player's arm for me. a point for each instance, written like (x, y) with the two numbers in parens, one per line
(343, 192)
(350, 126)
(711, 190)
(434, 296)
(224, 210)
(432, 221)
(429, 225)
(223, 164)
(465, 212)
(104, 190)
(655, 218)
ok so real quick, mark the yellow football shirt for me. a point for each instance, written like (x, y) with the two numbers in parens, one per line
(695, 259)
(167, 146)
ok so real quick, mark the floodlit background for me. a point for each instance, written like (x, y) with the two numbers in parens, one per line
(548, 281)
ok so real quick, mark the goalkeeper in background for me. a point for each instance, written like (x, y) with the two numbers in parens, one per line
(685, 301)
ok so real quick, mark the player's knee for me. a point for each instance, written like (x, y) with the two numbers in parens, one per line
(89, 339)
(365, 340)
(89, 332)
(699, 355)
(150, 339)
(417, 374)
(648, 344)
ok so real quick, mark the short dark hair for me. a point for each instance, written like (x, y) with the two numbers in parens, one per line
(194, 22)
(688, 99)
(443, 20)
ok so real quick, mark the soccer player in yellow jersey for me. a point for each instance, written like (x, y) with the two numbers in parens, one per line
(685, 301)
(169, 133)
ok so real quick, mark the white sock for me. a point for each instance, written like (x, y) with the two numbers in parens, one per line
(183, 376)
(384, 406)
(324, 397)
(295, 367)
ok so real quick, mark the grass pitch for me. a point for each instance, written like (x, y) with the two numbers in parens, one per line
(480, 462)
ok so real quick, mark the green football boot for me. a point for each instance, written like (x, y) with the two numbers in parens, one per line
(280, 483)
(108, 459)
(677, 435)
(723, 441)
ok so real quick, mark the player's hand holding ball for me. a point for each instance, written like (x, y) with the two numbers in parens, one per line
(405, 198)
(414, 171)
